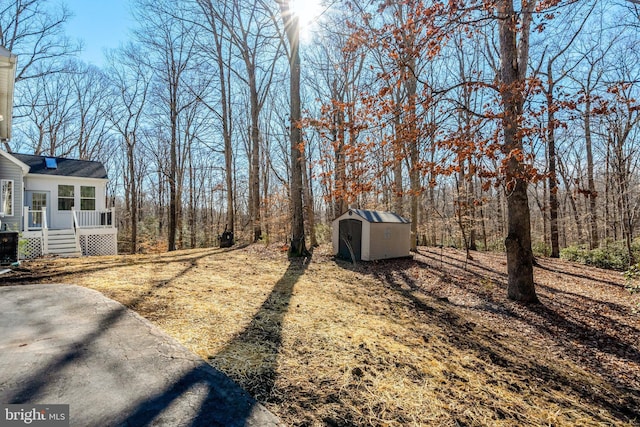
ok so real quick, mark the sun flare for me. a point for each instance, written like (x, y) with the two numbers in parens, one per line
(307, 11)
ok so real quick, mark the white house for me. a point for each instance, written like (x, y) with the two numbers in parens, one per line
(58, 204)
(371, 235)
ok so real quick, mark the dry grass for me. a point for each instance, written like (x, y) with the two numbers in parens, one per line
(429, 341)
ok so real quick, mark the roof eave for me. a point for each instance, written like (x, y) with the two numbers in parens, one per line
(47, 175)
(25, 168)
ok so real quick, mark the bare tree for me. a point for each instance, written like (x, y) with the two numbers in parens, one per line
(170, 44)
(214, 14)
(130, 82)
(291, 23)
(91, 90)
(34, 31)
(549, 88)
(514, 30)
(51, 111)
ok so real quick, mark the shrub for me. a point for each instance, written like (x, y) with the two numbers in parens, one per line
(323, 232)
(613, 256)
(632, 278)
(541, 249)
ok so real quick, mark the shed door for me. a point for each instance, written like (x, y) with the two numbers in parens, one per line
(350, 234)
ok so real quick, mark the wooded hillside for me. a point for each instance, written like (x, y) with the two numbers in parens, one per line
(472, 118)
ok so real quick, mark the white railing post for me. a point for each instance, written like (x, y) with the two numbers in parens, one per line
(76, 226)
(113, 217)
(74, 217)
(25, 218)
(45, 232)
(45, 225)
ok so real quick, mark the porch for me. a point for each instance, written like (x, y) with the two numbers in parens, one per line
(88, 233)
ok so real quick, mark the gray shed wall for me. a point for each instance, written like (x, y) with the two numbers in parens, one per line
(380, 240)
(389, 240)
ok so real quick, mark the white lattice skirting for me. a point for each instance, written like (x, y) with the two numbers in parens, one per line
(93, 242)
(98, 244)
(30, 247)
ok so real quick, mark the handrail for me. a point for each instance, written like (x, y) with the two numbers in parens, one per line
(96, 219)
(35, 220)
(25, 219)
(45, 225)
(45, 232)
(75, 218)
(76, 226)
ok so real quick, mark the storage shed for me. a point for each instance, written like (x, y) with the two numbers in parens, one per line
(371, 235)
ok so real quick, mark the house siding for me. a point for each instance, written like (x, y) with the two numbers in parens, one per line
(64, 219)
(11, 171)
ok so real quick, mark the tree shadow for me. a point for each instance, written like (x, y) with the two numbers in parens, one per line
(224, 402)
(542, 266)
(262, 337)
(584, 341)
(47, 276)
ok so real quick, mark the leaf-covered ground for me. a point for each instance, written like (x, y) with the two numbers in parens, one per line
(431, 340)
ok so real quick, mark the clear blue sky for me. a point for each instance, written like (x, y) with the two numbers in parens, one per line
(101, 24)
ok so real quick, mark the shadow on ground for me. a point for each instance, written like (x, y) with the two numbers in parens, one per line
(566, 320)
(261, 340)
(191, 392)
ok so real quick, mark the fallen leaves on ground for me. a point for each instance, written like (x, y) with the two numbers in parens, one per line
(431, 340)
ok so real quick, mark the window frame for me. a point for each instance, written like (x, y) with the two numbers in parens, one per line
(11, 198)
(66, 198)
(84, 198)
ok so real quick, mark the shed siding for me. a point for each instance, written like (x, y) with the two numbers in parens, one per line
(380, 239)
(389, 240)
(366, 241)
(9, 170)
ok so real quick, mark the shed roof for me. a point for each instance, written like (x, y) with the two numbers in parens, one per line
(379, 216)
(65, 167)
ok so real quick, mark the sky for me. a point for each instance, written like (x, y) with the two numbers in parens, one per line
(100, 24)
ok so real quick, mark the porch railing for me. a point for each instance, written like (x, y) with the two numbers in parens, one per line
(95, 219)
(35, 220)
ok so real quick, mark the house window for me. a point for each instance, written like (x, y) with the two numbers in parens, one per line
(65, 197)
(6, 197)
(87, 198)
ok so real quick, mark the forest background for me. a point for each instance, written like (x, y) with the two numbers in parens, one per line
(404, 107)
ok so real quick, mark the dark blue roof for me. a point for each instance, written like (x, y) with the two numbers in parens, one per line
(65, 167)
(379, 216)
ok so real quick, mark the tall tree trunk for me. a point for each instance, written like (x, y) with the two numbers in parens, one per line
(398, 155)
(471, 212)
(624, 205)
(414, 154)
(308, 198)
(551, 154)
(173, 169)
(133, 193)
(514, 55)
(255, 157)
(298, 246)
(594, 242)
(192, 202)
(572, 200)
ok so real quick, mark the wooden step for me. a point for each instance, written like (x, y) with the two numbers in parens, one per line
(62, 243)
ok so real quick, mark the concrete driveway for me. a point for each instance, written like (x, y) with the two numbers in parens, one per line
(64, 344)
